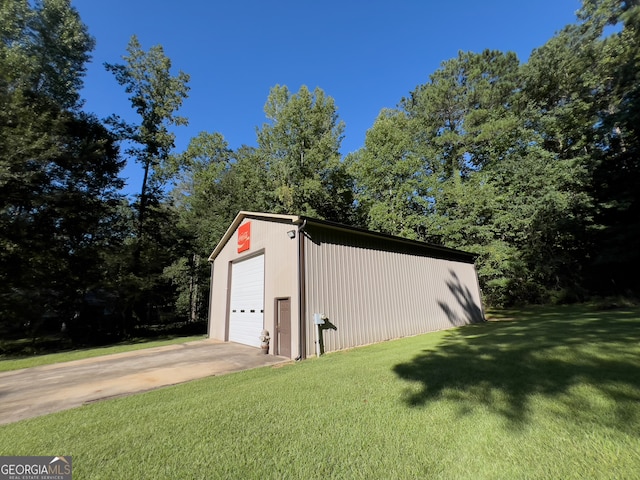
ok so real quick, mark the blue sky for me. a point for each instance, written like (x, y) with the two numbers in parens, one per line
(367, 55)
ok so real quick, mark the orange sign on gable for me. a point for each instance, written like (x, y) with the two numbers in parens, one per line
(244, 237)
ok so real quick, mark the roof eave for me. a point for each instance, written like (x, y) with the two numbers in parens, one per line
(386, 236)
(294, 219)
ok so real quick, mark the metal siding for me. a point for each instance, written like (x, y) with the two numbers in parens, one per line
(372, 292)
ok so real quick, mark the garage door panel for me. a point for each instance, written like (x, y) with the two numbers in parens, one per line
(245, 328)
(246, 318)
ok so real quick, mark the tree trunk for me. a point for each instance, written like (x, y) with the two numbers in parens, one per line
(193, 289)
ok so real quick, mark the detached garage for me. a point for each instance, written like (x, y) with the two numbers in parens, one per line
(322, 286)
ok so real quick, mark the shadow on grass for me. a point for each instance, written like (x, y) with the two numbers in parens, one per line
(586, 362)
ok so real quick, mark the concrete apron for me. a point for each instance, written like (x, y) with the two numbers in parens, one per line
(32, 392)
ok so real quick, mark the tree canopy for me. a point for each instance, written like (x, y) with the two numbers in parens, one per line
(59, 167)
(534, 166)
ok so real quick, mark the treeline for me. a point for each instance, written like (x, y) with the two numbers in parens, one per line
(533, 166)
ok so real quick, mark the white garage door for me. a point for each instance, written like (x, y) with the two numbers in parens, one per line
(247, 301)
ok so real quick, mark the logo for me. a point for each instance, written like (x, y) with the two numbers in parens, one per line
(35, 468)
(244, 237)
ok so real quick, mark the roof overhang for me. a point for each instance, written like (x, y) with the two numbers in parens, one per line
(302, 220)
(446, 251)
(294, 219)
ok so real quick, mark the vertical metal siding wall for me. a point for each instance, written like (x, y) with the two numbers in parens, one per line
(372, 294)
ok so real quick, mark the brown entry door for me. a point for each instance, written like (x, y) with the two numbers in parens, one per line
(283, 327)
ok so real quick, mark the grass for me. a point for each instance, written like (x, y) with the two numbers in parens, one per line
(542, 393)
(8, 363)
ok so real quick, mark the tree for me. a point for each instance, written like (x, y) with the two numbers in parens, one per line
(425, 170)
(214, 184)
(300, 147)
(155, 96)
(44, 50)
(389, 176)
(582, 87)
(60, 166)
(200, 192)
(205, 210)
(616, 160)
(465, 113)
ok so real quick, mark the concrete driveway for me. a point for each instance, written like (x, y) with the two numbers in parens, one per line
(38, 391)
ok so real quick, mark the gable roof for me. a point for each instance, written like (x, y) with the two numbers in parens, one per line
(294, 219)
(303, 220)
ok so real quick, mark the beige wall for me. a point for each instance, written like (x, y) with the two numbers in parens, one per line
(372, 294)
(280, 269)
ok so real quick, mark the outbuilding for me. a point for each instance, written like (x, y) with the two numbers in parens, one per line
(318, 286)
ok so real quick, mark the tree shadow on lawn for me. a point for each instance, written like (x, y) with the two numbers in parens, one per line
(587, 362)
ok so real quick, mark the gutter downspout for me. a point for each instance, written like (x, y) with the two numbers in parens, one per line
(210, 299)
(301, 293)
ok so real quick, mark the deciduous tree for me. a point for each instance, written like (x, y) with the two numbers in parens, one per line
(156, 95)
(59, 177)
(300, 145)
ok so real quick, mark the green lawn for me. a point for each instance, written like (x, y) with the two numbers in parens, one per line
(11, 363)
(545, 393)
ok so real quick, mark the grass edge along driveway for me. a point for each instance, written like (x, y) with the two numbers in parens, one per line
(540, 393)
(13, 363)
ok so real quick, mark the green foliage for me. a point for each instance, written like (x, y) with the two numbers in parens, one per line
(59, 169)
(533, 167)
(202, 193)
(205, 197)
(44, 49)
(155, 95)
(389, 177)
(53, 217)
(426, 169)
(300, 147)
(616, 173)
